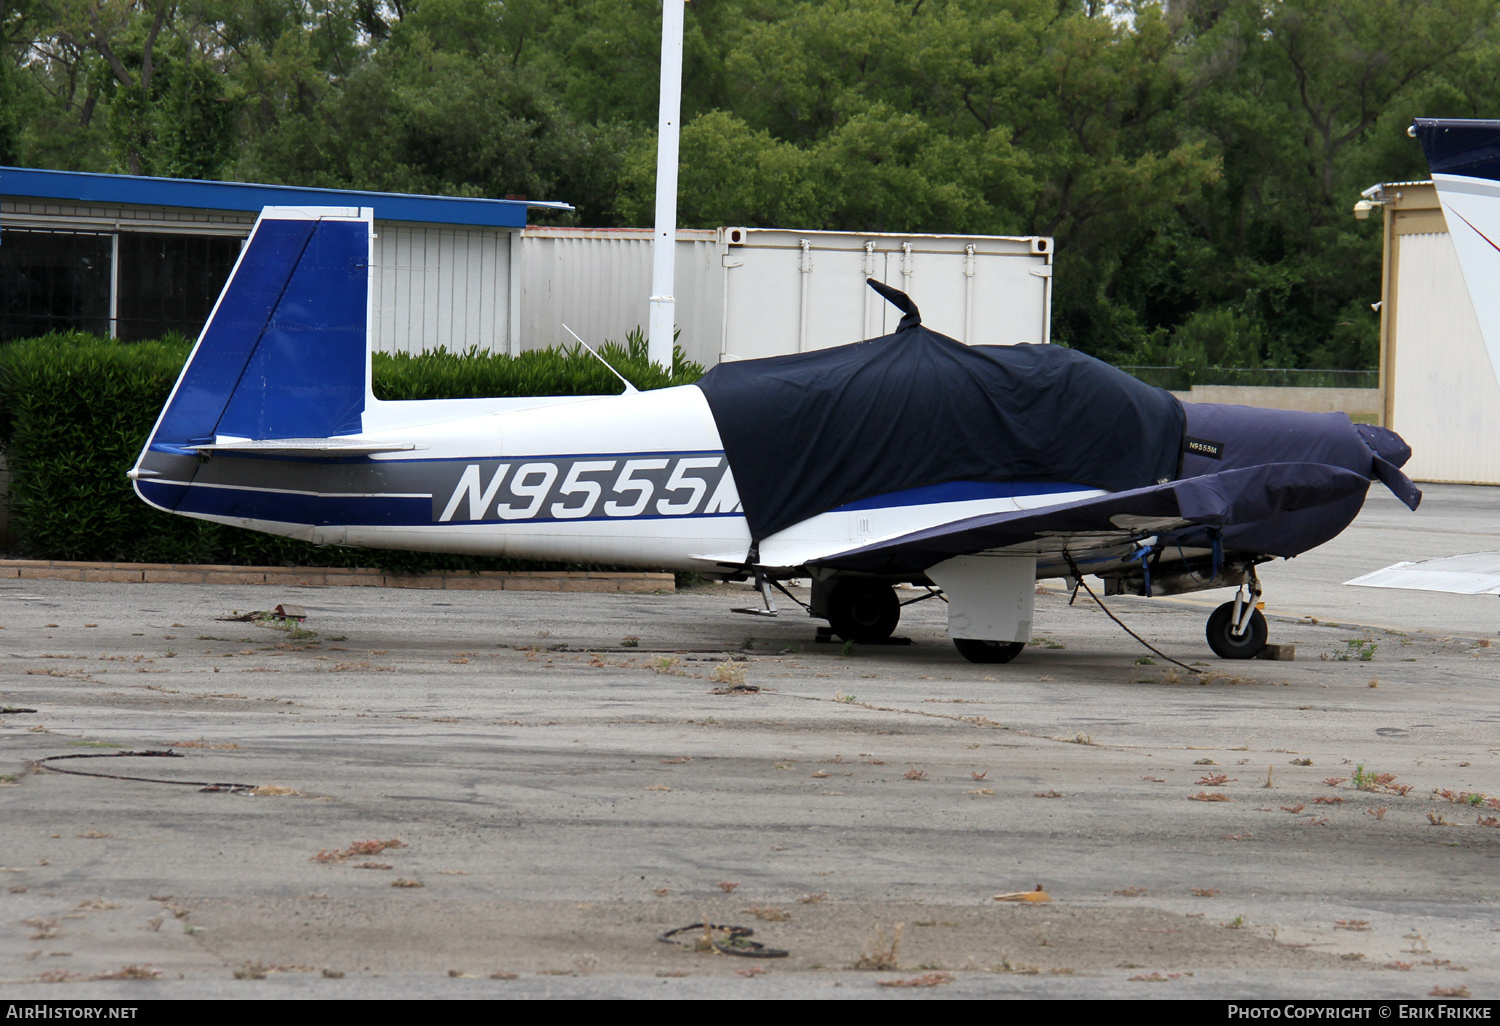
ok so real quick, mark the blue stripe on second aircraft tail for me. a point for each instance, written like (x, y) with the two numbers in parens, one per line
(960, 491)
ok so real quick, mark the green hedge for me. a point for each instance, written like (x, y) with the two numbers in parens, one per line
(75, 410)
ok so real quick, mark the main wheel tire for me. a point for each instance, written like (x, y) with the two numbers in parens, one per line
(976, 651)
(865, 612)
(1223, 641)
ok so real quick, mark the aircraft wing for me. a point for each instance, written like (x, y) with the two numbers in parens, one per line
(1216, 500)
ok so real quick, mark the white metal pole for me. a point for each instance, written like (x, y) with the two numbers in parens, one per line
(664, 242)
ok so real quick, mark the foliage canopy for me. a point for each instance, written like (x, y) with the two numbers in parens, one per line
(1196, 160)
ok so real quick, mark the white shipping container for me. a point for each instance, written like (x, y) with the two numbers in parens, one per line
(597, 281)
(750, 292)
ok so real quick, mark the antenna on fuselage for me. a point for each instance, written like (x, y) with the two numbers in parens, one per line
(628, 386)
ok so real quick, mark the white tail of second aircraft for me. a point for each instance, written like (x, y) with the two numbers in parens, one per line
(1465, 161)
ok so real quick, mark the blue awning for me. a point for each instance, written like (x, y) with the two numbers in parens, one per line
(137, 190)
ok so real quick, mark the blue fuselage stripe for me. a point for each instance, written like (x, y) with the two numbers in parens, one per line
(308, 507)
(960, 491)
(338, 510)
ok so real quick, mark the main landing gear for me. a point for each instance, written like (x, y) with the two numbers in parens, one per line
(865, 612)
(1237, 630)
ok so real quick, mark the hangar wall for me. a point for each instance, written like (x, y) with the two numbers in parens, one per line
(434, 284)
(441, 285)
(1441, 392)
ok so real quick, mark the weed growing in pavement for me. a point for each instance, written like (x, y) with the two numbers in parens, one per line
(1361, 649)
(880, 954)
(730, 672)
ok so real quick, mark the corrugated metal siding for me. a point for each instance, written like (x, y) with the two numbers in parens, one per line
(598, 282)
(440, 287)
(790, 291)
(1444, 397)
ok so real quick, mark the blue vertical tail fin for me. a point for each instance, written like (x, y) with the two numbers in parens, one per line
(285, 352)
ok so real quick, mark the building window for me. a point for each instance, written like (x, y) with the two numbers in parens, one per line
(53, 281)
(170, 282)
(62, 281)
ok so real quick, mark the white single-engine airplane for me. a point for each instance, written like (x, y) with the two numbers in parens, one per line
(907, 458)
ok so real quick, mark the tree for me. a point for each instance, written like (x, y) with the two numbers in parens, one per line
(1195, 160)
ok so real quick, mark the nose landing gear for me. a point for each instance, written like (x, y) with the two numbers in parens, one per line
(1237, 630)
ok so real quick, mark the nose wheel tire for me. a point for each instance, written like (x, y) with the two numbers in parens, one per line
(1226, 644)
(976, 651)
(865, 612)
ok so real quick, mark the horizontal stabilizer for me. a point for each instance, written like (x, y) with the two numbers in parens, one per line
(307, 447)
(1474, 573)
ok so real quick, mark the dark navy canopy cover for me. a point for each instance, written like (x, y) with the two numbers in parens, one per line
(809, 433)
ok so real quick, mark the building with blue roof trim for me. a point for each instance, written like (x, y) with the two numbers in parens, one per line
(135, 257)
